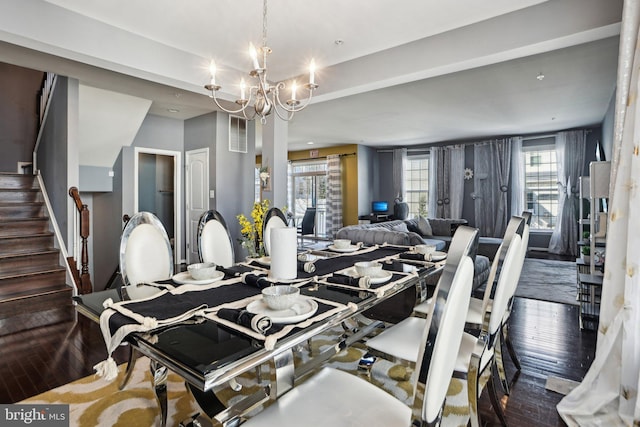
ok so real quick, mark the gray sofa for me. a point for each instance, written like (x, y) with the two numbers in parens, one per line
(408, 233)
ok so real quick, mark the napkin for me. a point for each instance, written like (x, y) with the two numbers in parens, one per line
(256, 281)
(343, 279)
(307, 267)
(257, 322)
(415, 256)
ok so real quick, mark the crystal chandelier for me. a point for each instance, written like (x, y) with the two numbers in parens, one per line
(266, 97)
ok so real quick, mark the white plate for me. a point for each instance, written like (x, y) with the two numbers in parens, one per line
(351, 248)
(185, 278)
(382, 277)
(438, 256)
(306, 308)
(265, 260)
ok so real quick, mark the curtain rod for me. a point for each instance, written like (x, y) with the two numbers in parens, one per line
(322, 157)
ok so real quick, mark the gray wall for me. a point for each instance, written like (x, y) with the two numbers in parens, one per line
(95, 178)
(106, 229)
(19, 89)
(52, 155)
(230, 174)
(608, 128)
(369, 172)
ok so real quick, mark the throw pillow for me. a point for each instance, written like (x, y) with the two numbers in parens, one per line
(424, 226)
(400, 227)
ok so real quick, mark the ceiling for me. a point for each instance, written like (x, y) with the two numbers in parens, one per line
(406, 72)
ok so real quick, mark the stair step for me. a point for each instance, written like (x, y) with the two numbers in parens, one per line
(22, 226)
(21, 210)
(32, 310)
(16, 285)
(24, 244)
(17, 195)
(29, 262)
(20, 181)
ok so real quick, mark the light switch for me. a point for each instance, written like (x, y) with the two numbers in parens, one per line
(212, 194)
(111, 174)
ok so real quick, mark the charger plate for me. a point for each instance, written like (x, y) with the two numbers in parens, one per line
(382, 277)
(185, 278)
(306, 307)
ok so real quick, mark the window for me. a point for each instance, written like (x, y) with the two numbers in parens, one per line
(308, 189)
(541, 182)
(416, 185)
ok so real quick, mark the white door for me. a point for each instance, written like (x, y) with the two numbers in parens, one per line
(197, 197)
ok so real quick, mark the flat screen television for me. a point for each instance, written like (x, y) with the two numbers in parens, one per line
(379, 207)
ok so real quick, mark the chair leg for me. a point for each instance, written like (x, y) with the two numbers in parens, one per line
(473, 391)
(133, 356)
(502, 373)
(495, 401)
(512, 351)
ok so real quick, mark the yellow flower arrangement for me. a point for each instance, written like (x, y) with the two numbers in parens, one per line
(252, 232)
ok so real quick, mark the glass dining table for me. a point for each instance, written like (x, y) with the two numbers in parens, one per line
(209, 351)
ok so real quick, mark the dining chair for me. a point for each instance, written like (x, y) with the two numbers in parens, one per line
(476, 361)
(145, 250)
(145, 256)
(336, 398)
(505, 337)
(480, 308)
(214, 241)
(274, 218)
(308, 224)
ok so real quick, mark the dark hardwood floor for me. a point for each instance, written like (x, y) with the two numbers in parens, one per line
(546, 337)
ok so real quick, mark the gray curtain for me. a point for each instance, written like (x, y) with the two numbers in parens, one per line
(492, 162)
(334, 195)
(399, 166)
(446, 181)
(570, 153)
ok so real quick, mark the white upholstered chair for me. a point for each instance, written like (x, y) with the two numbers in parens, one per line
(145, 254)
(477, 354)
(214, 241)
(274, 218)
(335, 398)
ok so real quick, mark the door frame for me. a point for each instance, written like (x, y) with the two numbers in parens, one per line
(177, 193)
(188, 193)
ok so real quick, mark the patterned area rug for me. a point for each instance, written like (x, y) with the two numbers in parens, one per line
(548, 280)
(96, 403)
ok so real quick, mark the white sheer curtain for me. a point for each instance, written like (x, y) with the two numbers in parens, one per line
(446, 181)
(517, 176)
(399, 166)
(492, 162)
(608, 395)
(334, 195)
(570, 148)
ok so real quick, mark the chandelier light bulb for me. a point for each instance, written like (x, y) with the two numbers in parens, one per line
(294, 87)
(254, 56)
(312, 72)
(212, 71)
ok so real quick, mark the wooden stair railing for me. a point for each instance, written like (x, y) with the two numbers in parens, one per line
(82, 278)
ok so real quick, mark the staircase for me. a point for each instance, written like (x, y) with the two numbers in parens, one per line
(33, 289)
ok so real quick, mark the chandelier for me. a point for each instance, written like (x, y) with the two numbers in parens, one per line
(266, 97)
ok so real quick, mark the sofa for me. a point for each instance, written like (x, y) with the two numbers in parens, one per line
(417, 231)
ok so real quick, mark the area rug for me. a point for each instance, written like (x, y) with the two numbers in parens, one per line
(548, 280)
(94, 402)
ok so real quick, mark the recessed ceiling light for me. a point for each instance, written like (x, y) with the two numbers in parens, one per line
(540, 76)
(310, 143)
(173, 110)
(339, 42)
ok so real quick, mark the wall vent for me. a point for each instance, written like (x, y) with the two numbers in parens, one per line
(237, 134)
